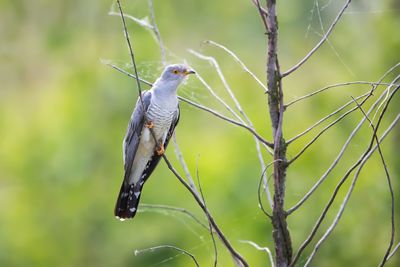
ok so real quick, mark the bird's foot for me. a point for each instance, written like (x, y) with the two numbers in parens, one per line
(160, 150)
(149, 124)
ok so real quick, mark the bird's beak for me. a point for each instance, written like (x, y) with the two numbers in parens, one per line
(189, 71)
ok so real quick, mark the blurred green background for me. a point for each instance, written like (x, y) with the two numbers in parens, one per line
(63, 115)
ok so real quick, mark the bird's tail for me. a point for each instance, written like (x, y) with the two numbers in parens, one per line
(127, 202)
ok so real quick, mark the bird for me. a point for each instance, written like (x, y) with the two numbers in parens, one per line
(150, 128)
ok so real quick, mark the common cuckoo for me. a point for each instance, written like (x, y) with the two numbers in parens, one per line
(151, 126)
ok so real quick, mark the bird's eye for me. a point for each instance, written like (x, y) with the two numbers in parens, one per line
(175, 71)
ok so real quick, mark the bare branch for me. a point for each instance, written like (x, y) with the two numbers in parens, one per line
(263, 178)
(157, 33)
(261, 139)
(236, 58)
(141, 22)
(127, 73)
(333, 86)
(328, 32)
(152, 249)
(320, 134)
(215, 95)
(331, 200)
(339, 156)
(177, 209)
(132, 55)
(239, 260)
(266, 249)
(327, 117)
(209, 223)
(388, 180)
(394, 251)
(364, 158)
(263, 14)
(215, 64)
(179, 156)
(346, 199)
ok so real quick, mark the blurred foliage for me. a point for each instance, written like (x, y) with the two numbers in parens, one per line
(63, 115)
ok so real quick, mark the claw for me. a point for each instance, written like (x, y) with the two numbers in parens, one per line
(160, 150)
(149, 125)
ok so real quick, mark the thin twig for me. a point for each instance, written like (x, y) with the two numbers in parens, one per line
(179, 155)
(209, 223)
(291, 140)
(236, 256)
(127, 73)
(319, 135)
(157, 33)
(361, 162)
(347, 143)
(324, 38)
(215, 64)
(266, 249)
(263, 14)
(213, 93)
(394, 251)
(330, 87)
(337, 188)
(237, 59)
(152, 249)
(263, 174)
(215, 113)
(374, 130)
(177, 209)
(142, 22)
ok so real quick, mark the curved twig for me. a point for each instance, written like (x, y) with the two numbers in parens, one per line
(152, 249)
(332, 198)
(324, 38)
(177, 209)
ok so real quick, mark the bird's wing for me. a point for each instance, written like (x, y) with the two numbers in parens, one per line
(151, 165)
(129, 195)
(134, 132)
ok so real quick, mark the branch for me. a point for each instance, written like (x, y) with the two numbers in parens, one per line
(319, 134)
(237, 257)
(177, 209)
(157, 33)
(324, 38)
(152, 249)
(331, 200)
(371, 149)
(215, 64)
(327, 117)
(261, 139)
(345, 201)
(394, 251)
(236, 58)
(330, 87)
(209, 223)
(127, 73)
(266, 249)
(339, 156)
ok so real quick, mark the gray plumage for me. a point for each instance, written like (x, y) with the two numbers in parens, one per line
(143, 147)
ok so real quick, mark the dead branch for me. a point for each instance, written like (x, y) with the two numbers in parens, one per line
(152, 249)
(337, 188)
(324, 38)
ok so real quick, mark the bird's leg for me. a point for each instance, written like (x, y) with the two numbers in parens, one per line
(160, 149)
(149, 124)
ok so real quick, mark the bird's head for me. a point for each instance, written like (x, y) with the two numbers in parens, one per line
(176, 73)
